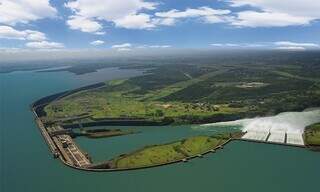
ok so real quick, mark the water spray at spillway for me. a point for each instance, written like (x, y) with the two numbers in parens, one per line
(290, 122)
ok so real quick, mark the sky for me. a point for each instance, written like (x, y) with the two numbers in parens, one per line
(129, 25)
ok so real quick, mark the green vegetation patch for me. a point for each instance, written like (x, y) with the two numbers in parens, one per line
(166, 153)
(312, 135)
(137, 98)
(187, 94)
(103, 133)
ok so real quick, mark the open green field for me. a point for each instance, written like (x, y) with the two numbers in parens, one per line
(190, 93)
(103, 133)
(166, 153)
(312, 135)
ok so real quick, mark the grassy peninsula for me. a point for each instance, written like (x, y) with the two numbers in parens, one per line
(166, 153)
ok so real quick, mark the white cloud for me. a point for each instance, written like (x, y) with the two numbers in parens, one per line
(280, 45)
(294, 44)
(153, 46)
(277, 13)
(206, 14)
(37, 39)
(35, 35)
(108, 9)
(84, 24)
(100, 33)
(160, 46)
(217, 44)
(288, 45)
(309, 8)
(97, 42)
(241, 45)
(123, 13)
(44, 45)
(201, 11)
(164, 21)
(291, 48)
(88, 15)
(8, 32)
(124, 49)
(268, 19)
(233, 45)
(228, 45)
(24, 11)
(218, 19)
(124, 45)
(139, 21)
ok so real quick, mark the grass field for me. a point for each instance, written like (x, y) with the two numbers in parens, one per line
(166, 153)
(118, 99)
(194, 94)
(103, 133)
(312, 135)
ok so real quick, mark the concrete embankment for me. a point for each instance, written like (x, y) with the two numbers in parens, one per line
(53, 148)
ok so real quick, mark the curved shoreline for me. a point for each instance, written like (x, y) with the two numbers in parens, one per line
(155, 165)
(42, 102)
(38, 108)
(39, 105)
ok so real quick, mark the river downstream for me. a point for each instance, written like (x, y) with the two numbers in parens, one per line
(27, 165)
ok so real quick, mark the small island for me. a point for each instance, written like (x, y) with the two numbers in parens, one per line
(103, 133)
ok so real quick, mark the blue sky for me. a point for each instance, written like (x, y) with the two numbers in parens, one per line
(127, 25)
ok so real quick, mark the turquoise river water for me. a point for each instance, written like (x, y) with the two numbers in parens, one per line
(27, 165)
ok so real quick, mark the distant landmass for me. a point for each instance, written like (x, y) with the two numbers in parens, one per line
(220, 90)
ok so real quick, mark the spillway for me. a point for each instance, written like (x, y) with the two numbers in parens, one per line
(256, 135)
(295, 139)
(290, 138)
(284, 128)
(277, 137)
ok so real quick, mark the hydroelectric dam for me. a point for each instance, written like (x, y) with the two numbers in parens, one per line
(277, 137)
(285, 128)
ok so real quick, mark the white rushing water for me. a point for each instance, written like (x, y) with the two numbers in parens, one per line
(290, 122)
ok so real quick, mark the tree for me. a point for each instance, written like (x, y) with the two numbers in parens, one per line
(159, 113)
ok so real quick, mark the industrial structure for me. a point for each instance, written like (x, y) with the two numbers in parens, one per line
(276, 136)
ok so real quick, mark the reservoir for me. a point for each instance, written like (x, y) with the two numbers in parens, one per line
(27, 165)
